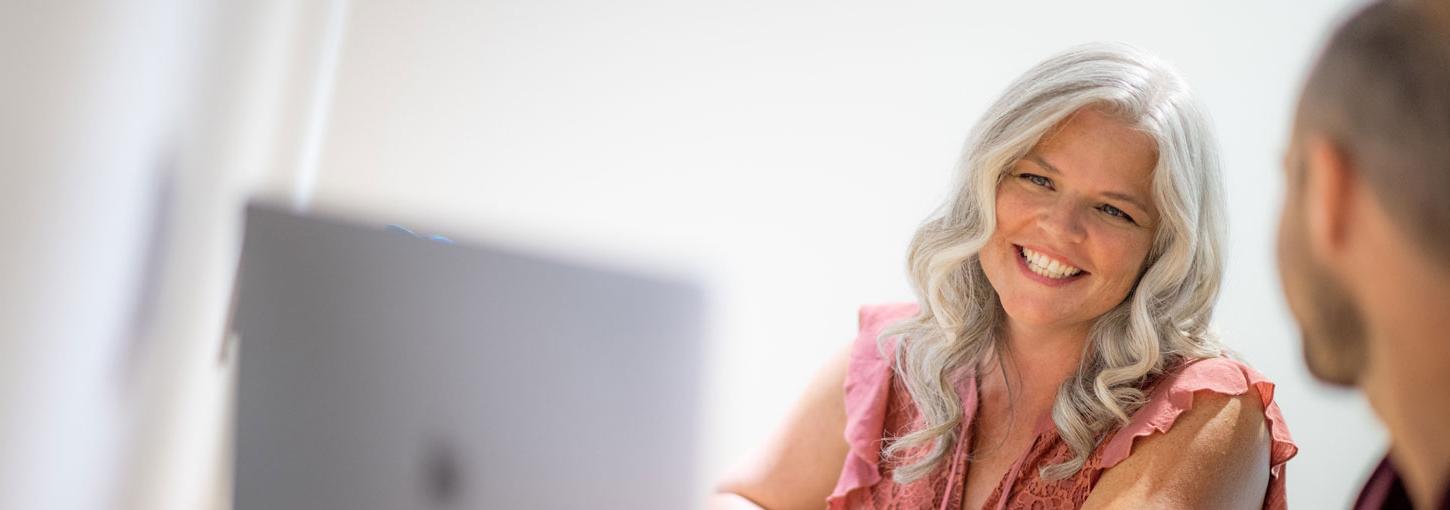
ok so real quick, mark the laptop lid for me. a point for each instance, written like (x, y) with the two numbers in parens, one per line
(381, 369)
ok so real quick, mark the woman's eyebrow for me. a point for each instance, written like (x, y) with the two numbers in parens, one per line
(1129, 199)
(1033, 157)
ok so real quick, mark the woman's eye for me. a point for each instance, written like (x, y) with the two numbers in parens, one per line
(1037, 179)
(1116, 212)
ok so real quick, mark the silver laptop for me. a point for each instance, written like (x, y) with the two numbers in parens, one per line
(379, 368)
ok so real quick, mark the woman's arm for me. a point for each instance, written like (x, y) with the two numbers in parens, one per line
(1216, 455)
(799, 466)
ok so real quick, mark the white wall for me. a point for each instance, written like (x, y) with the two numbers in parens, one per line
(785, 150)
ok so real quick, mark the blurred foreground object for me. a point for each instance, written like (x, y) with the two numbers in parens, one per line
(130, 134)
(381, 369)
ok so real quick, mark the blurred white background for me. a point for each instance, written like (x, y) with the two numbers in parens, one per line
(783, 152)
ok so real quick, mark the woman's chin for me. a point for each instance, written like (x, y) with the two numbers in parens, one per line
(1038, 316)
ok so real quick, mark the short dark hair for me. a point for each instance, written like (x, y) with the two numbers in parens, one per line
(1381, 90)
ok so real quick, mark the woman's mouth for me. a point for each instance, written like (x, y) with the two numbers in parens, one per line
(1047, 269)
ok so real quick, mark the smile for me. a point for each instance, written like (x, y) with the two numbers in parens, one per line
(1047, 268)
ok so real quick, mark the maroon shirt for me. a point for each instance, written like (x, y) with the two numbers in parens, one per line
(1386, 491)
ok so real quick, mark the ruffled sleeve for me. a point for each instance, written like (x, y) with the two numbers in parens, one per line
(1174, 395)
(868, 385)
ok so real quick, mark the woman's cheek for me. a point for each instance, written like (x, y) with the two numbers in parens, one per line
(1123, 252)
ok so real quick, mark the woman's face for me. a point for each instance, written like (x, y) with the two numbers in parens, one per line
(1075, 220)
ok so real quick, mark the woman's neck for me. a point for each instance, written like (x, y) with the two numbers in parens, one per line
(1042, 358)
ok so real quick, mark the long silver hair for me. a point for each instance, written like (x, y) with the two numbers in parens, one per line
(1162, 321)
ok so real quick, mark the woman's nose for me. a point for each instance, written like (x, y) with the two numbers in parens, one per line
(1063, 221)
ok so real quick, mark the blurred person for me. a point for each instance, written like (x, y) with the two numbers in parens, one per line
(1364, 238)
(1060, 354)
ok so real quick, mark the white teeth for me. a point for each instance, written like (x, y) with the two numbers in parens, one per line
(1049, 267)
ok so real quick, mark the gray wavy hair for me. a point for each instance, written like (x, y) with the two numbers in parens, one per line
(1162, 321)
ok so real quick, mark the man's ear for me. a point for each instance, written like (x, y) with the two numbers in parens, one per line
(1331, 189)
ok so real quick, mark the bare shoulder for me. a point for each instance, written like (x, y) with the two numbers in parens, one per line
(1215, 455)
(799, 465)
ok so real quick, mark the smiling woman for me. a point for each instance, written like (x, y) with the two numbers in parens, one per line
(1059, 355)
(1066, 250)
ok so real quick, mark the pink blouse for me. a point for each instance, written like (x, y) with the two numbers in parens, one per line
(878, 407)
